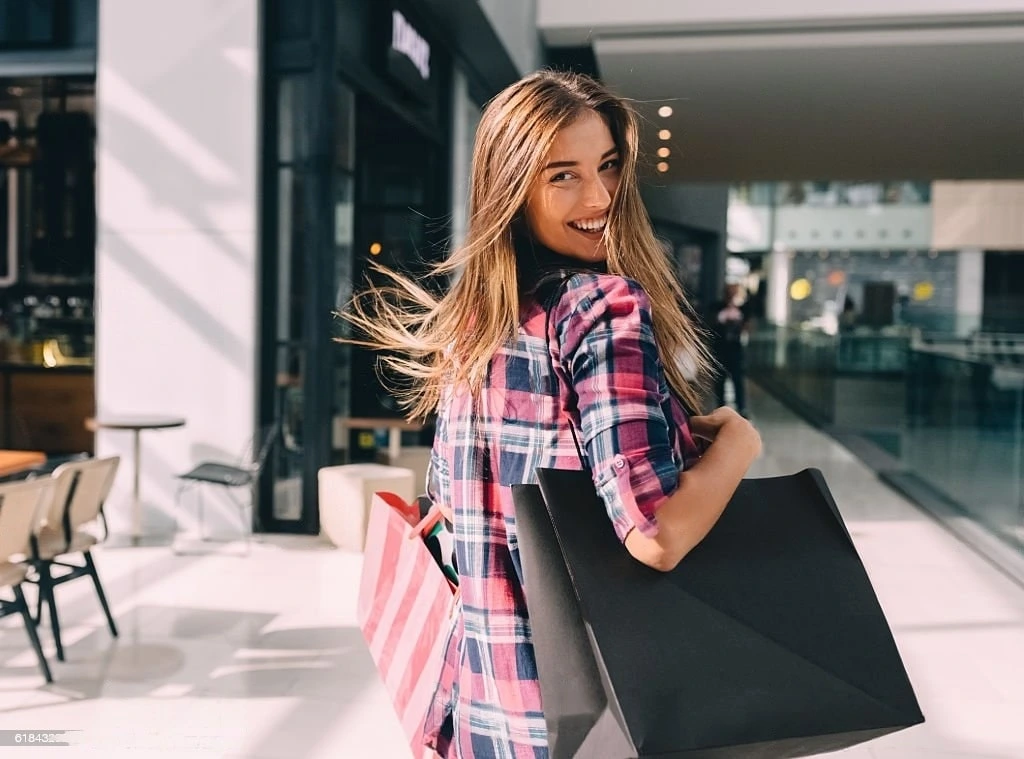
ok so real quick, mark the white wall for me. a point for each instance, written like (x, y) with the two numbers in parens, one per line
(515, 21)
(177, 124)
(570, 21)
(987, 215)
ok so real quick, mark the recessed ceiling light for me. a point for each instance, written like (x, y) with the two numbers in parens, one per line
(663, 166)
(665, 111)
(664, 152)
(665, 134)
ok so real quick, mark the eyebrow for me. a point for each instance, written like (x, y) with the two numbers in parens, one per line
(570, 164)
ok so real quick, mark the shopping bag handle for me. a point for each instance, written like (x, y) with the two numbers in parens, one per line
(420, 528)
(428, 522)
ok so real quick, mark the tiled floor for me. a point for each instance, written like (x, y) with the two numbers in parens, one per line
(259, 657)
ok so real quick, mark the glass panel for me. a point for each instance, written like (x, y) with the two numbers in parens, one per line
(396, 239)
(345, 136)
(963, 430)
(951, 408)
(8, 226)
(289, 356)
(27, 22)
(292, 107)
(293, 20)
(832, 194)
(343, 240)
(395, 182)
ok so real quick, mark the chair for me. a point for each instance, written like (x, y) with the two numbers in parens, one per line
(230, 477)
(20, 506)
(79, 490)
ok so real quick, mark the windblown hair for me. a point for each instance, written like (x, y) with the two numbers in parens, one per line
(436, 341)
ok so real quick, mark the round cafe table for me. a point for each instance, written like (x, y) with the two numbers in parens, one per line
(136, 424)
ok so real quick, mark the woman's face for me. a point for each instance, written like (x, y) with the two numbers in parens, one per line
(567, 207)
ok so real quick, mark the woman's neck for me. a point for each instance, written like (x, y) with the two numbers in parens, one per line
(538, 263)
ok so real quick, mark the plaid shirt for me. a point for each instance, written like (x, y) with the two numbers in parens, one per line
(603, 345)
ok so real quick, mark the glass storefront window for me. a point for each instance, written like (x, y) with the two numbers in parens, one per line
(345, 134)
(288, 377)
(293, 129)
(344, 237)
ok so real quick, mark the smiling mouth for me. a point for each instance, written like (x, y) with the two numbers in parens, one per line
(590, 226)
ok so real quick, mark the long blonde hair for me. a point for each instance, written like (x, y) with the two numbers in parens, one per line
(435, 341)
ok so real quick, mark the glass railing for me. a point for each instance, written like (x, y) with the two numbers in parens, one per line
(850, 377)
(963, 433)
(831, 194)
(798, 366)
(948, 409)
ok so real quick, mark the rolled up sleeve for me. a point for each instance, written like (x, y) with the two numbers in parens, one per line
(608, 351)
(438, 480)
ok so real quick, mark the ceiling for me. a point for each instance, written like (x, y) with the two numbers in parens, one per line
(899, 103)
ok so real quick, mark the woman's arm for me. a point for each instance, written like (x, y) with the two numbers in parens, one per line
(609, 353)
(687, 515)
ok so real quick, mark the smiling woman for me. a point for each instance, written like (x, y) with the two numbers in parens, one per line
(554, 171)
(567, 210)
(565, 315)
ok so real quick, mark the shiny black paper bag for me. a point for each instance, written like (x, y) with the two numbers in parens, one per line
(767, 640)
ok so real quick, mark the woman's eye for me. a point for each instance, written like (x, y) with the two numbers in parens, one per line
(561, 176)
(612, 163)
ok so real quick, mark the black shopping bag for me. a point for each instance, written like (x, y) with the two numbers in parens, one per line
(767, 640)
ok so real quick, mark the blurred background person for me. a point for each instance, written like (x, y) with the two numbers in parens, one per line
(730, 324)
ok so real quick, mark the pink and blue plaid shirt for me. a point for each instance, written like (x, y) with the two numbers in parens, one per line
(603, 344)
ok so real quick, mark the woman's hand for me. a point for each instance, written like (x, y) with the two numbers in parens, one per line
(709, 425)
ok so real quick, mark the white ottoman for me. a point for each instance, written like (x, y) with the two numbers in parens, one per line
(345, 494)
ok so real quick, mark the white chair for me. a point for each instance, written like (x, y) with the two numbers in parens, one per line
(21, 504)
(346, 493)
(80, 488)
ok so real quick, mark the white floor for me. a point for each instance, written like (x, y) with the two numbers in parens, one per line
(259, 657)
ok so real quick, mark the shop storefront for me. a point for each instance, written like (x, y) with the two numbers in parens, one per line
(358, 152)
(47, 224)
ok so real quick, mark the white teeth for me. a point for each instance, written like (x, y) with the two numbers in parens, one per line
(590, 225)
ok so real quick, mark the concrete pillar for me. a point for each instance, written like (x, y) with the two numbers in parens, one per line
(176, 266)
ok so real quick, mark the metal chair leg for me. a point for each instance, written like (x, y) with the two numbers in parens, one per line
(177, 505)
(91, 567)
(202, 514)
(46, 588)
(33, 636)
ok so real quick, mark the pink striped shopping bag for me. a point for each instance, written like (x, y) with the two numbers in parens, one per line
(404, 609)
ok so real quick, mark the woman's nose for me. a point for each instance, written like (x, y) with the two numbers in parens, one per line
(596, 195)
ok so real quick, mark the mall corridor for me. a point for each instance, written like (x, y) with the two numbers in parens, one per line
(258, 656)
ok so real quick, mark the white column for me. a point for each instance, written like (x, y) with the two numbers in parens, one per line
(176, 266)
(777, 305)
(780, 267)
(970, 289)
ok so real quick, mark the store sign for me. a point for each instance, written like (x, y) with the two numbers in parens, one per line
(408, 42)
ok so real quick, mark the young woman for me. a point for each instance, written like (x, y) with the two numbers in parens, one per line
(556, 225)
